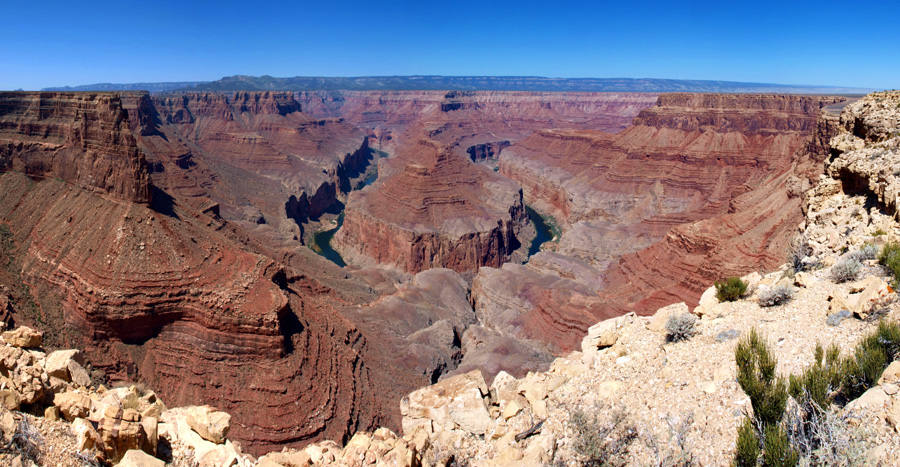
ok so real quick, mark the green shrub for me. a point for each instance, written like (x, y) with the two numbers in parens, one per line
(756, 376)
(811, 430)
(730, 289)
(746, 453)
(890, 258)
(879, 232)
(777, 450)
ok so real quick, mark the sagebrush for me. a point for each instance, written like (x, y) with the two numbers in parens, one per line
(602, 441)
(778, 295)
(845, 270)
(680, 327)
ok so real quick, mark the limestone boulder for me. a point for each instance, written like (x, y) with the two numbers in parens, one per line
(604, 334)
(891, 374)
(211, 424)
(707, 301)
(23, 337)
(73, 405)
(120, 431)
(866, 293)
(78, 375)
(9, 399)
(138, 458)
(8, 426)
(86, 435)
(658, 322)
(28, 384)
(460, 402)
(57, 363)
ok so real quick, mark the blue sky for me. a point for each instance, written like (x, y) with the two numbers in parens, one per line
(54, 43)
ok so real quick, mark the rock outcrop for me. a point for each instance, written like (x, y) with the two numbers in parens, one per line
(436, 210)
(82, 138)
(297, 165)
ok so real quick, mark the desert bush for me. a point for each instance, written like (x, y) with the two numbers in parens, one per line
(730, 289)
(778, 295)
(890, 258)
(27, 441)
(746, 453)
(756, 376)
(805, 428)
(866, 252)
(870, 357)
(679, 452)
(778, 451)
(824, 437)
(846, 270)
(879, 232)
(602, 442)
(799, 250)
(681, 327)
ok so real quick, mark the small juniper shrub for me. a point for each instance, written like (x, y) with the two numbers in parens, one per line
(756, 376)
(778, 295)
(890, 258)
(768, 397)
(811, 432)
(778, 450)
(845, 270)
(747, 452)
(731, 289)
(681, 327)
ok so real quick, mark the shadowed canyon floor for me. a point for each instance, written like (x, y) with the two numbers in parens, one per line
(164, 233)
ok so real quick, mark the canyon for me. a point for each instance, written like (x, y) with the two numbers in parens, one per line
(165, 234)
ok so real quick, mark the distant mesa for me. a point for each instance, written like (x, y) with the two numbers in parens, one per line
(466, 83)
(152, 87)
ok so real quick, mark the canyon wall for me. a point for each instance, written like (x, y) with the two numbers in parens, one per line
(461, 119)
(170, 295)
(82, 138)
(700, 187)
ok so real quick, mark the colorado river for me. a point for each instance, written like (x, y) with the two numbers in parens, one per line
(546, 231)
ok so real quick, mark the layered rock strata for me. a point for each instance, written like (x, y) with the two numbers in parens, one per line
(699, 188)
(266, 165)
(82, 138)
(468, 118)
(175, 296)
(436, 210)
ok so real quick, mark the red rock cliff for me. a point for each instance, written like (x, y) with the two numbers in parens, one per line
(699, 188)
(438, 210)
(177, 298)
(82, 138)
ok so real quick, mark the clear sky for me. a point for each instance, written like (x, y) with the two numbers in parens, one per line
(841, 43)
